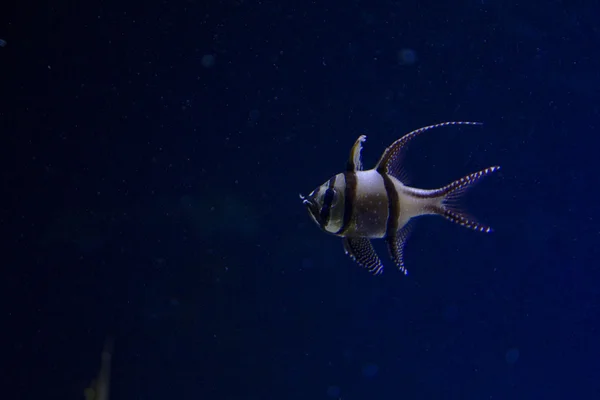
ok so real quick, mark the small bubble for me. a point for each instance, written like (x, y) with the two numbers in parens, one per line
(451, 312)
(370, 370)
(333, 391)
(512, 355)
(407, 57)
(254, 115)
(307, 263)
(208, 60)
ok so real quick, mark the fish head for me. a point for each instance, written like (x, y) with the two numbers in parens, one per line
(325, 204)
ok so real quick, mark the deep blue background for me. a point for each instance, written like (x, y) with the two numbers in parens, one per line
(151, 197)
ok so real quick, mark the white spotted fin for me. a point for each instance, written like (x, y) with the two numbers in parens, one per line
(362, 252)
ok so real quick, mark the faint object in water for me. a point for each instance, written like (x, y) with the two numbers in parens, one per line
(370, 370)
(100, 387)
(512, 355)
(407, 57)
(2, 42)
(307, 263)
(334, 391)
(208, 60)
(253, 117)
(451, 312)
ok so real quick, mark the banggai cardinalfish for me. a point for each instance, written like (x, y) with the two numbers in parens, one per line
(359, 205)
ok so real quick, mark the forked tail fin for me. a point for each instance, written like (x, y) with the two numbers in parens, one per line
(450, 195)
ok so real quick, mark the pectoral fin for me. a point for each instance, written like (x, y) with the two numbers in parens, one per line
(362, 252)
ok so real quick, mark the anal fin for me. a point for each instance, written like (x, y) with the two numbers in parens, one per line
(396, 247)
(362, 252)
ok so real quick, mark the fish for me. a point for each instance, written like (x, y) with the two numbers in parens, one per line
(360, 205)
(100, 387)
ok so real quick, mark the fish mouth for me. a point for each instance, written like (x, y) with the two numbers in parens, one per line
(312, 207)
(303, 198)
(307, 201)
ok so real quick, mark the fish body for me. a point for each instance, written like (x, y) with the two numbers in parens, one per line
(359, 205)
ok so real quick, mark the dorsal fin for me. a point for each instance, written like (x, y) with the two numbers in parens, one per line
(354, 162)
(390, 160)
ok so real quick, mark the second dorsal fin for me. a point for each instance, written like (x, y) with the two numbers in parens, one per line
(390, 160)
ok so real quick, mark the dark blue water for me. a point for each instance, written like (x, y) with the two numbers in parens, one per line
(151, 159)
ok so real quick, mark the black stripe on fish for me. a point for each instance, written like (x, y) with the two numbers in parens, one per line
(325, 213)
(391, 226)
(349, 197)
(313, 208)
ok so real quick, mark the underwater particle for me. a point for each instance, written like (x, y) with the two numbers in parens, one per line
(451, 312)
(512, 355)
(333, 391)
(253, 117)
(208, 60)
(348, 355)
(370, 370)
(2, 42)
(407, 57)
(307, 263)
